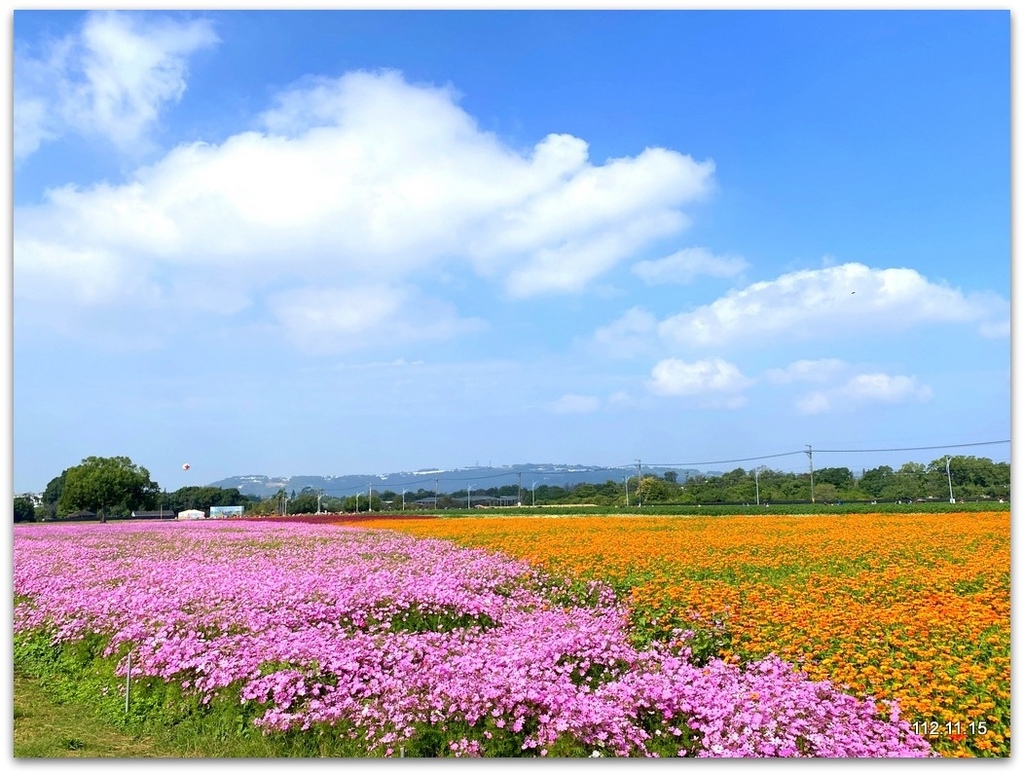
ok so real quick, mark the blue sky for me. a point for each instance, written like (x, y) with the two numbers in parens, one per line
(360, 242)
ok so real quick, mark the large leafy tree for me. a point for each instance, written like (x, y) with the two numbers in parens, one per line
(110, 486)
(838, 477)
(24, 510)
(970, 477)
(877, 482)
(51, 495)
(202, 497)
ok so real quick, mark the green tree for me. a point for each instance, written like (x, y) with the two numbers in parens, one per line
(825, 492)
(972, 477)
(913, 480)
(202, 497)
(877, 481)
(24, 510)
(771, 485)
(583, 493)
(841, 478)
(51, 495)
(303, 503)
(610, 493)
(546, 493)
(699, 489)
(109, 486)
(655, 490)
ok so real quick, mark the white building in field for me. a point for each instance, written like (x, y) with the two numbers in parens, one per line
(192, 514)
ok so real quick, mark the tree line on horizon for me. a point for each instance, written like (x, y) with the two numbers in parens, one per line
(116, 487)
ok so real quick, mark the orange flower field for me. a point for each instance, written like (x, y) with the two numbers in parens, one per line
(911, 607)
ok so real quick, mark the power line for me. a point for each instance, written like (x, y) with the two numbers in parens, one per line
(733, 460)
(843, 451)
(916, 449)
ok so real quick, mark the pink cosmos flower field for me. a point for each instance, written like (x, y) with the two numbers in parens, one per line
(381, 636)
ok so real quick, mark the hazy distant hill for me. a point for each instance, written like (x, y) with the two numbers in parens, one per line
(448, 480)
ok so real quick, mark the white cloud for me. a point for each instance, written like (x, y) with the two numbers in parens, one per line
(814, 403)
(995, 330)
(883, 387)
(357, 317)
(686, 265)
(365, 179)
(90, 276)
(629, 335)
(837, 300)
(820, 370)
(111, 79)
(864, 389)
(573, 262)
(718, 382)
(572, 403)
(621, 398)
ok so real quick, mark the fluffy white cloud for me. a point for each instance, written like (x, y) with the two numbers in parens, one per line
(572, 403)
(836, 300)
(865, 389)
(717, 381)
(814, 403)
(883, 387)
(686, 265)
(629, 335)
(998, 329)
(111, 79)
(365, 179)
(804, 370)
(357, 317)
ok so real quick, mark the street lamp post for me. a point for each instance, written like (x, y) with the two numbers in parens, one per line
(639, 481)
(950, 480)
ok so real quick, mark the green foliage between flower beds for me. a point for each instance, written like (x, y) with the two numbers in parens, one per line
(178, 724)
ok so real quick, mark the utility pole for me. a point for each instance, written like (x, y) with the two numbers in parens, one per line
(437, 492)
(639, 479)
(369, 498)
(625, 481)
(810, 457)
(519, 498)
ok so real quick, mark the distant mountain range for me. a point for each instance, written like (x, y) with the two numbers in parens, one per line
(445, 480)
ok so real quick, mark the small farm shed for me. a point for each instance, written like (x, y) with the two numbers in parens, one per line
(192, 514)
